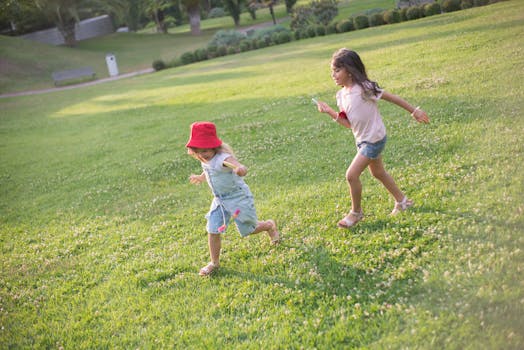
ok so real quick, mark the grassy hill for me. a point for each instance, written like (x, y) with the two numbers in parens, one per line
(102, 236)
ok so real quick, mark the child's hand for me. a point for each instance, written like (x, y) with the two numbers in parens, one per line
(240, 170)
(323, 107)
(420, 116)
(196, 179)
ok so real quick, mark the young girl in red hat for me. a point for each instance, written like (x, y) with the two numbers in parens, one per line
(357, 103)
(232, 197)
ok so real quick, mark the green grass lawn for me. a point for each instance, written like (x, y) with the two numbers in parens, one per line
(102, 236)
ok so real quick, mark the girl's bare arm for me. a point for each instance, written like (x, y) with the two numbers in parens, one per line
(417, 113)
(238, 168)
(197, 179)
(324, 108)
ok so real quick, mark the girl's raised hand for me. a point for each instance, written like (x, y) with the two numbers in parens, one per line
(323, 107)
(420, 116)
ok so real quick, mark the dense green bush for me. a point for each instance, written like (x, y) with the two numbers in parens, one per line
(311, 31)
(302, 34)
(481, 2)
(316, 12)
(283, 37)
(466, 4)
(227, 38)
(200, 54)
(361, 22)
(222, 50)
(414, 12)
(391, 16)
(376, 19)
(159, 65)
(450, 5)
(320, 30)
(432, 9)
(211, 50)
(216, 12)
(331, 28)
(271, 34)
(301, 17)
(273, 39)
(261, 43)
(187, 58)
(324, 11)
(345, 26)
(177, 62)
(245, 45)
(403, 14)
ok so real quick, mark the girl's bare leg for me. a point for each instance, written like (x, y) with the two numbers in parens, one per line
(215, 244)
(376, 167)
(270, 227)
(356, 168)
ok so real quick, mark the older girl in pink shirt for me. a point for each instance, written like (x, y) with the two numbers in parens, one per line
(358, 110)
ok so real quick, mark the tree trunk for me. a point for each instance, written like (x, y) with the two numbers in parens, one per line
(272, 14)
(194, 19)
(68, 32)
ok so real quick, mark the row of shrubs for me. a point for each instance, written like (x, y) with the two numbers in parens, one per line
(232, 42)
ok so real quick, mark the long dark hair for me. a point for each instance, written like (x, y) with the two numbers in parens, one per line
(350, 60)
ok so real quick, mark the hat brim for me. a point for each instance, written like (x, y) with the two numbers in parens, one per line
(195, 143)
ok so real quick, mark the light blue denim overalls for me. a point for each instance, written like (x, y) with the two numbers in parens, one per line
(231, 193)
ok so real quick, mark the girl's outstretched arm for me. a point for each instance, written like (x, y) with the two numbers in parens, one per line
(238, 169)
(417, 113)
(323, 107)
(197, 179)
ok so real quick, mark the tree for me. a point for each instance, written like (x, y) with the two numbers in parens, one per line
(193, 11)
(64, 14)
(270, 4)
(324, 10)
(289, 6)
(155, 9)
(21, 16)
(233, 6)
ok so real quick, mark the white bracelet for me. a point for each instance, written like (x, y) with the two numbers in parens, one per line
(413, 113)
(335, 120)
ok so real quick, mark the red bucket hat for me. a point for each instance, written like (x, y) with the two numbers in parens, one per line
(203, 135)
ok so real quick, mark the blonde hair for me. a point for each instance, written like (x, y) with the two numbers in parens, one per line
(225, 148)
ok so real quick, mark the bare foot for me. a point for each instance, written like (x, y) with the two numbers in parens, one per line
(273, 233)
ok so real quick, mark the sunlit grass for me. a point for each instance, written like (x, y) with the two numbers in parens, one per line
(102, 235)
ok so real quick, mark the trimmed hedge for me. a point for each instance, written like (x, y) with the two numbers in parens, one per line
(361, 22)
(392, 16)
(432, 9)
(232, 42)
(345, 26)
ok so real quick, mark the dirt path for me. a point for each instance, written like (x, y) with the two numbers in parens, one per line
(94, 82)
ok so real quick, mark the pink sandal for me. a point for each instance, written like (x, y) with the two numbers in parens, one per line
(351, 219)
(208, 269)
(402, 206)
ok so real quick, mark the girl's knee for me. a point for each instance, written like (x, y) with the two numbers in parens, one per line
(379, 174)
(352, 177)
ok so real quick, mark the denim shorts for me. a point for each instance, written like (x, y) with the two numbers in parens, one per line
(246, 222)
(371, 150)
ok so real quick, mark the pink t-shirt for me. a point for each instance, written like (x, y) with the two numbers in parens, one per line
(363, 114)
